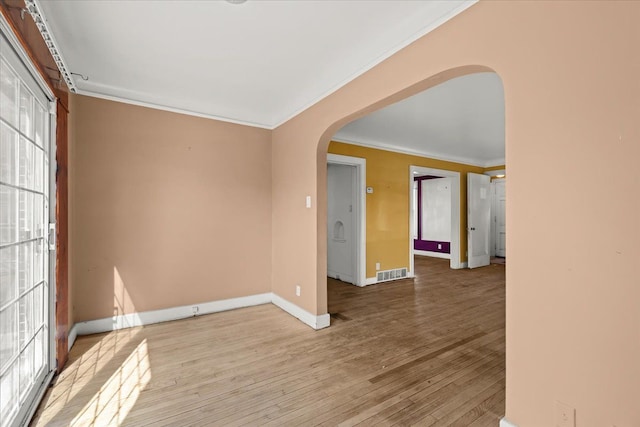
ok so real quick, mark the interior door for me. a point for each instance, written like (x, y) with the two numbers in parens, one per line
(500, 218)
(341, 205)
(478, 219)
(25, 296)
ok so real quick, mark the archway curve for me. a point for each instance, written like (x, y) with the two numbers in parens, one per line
(323, 145)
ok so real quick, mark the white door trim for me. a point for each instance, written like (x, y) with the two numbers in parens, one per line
(455, 212)
(494, 213)
(361, 216)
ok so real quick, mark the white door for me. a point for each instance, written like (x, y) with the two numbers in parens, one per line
(341, 206)
(24, 268)
(478, 219)
(500, 198)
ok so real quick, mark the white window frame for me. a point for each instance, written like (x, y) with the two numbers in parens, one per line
(34, 80)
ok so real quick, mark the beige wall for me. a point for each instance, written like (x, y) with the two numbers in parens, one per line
(570, 73)
(166, 209)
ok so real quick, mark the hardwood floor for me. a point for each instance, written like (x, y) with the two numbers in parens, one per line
(428, 351)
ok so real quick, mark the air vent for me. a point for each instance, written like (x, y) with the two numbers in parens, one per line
(386, 275)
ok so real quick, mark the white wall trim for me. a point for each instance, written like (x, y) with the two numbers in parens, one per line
(71, 338)
(176, 110)
(361, 182)
(455, 213)
(421, 153)
(316, 322)
(182, 312)
(506, 423)
(167, 314)
(496, 172)
(432, 254)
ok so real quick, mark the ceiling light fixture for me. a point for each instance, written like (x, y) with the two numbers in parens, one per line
(47, 36)
(236, 1)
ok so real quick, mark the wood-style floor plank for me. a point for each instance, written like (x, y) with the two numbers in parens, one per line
(425, 351)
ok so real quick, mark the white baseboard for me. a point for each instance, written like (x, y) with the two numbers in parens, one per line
(432, 254)
(370, 281)
(71, 338)
(506, 423)
(183, 312)
(316, 322)
(167, 314)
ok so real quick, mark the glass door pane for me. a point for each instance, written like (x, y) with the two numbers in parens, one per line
(24, 275)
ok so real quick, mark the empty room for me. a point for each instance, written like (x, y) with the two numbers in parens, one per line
(177, 248)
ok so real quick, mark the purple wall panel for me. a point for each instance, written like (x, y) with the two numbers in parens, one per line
(432, 246)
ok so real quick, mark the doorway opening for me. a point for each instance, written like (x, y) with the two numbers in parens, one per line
(346, 219)
(451, 227)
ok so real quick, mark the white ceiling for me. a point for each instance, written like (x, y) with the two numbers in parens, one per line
(258, 63)
(460, 120)
(262, 62)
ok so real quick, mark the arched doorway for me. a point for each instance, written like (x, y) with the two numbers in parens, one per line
(323, 145)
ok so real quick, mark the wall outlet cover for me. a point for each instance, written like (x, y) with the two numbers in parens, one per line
(565, 415)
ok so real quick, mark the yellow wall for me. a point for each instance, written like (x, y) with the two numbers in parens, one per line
(388, 206)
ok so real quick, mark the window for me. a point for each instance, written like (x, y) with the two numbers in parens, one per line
(25, 295)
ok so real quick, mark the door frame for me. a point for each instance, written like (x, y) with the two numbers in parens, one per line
(454, 261)
(33, 79)
(494, 211)
(475, 221)
(360, 218)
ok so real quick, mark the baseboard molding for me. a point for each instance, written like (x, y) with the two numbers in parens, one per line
(175, 313)
(432, 254)
(370, 281)
(316, 322)
(167, 314)
(506, 423)
(71, 338)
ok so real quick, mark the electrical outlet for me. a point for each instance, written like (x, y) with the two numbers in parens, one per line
(377, 266)
(297, 290)
(565, 415)
(195, 309)
(439, 245)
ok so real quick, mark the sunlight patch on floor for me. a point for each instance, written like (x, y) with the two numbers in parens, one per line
(111, 404)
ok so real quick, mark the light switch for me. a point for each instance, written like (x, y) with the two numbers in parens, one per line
(308, 202)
